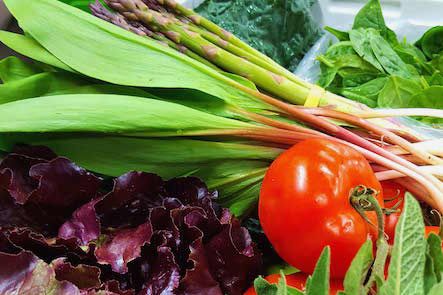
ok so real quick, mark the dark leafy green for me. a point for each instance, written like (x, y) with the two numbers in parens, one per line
(372, 67)
(282, 29)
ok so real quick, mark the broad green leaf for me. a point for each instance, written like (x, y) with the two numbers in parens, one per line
(432, 41)
(318, 283)
(106, 52)
(42, 84)
(388, 58)
(12, 68)
(357, 272)
(371, 16)
(262, 287)
(436, 289)
(398, 92)
(30, 48)
(107, 114)
(430, 278)
(366, 93)
(436, 79)
(81, 4)
(435, 251)
(360, 39)
(406, 270)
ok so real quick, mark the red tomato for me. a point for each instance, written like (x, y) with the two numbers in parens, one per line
(392, 193)
(304, 204)
(298, 281)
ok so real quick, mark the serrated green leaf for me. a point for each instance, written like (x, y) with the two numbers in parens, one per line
(435, 251)
(318, 283)
(358, 271)
(29, 47)
(406, 270)
(107, 114)
(106, 52)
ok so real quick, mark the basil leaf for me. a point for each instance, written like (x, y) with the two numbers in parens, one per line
(407, 264)
(398, 92)
(360, 39)
(435, 252)
(318, 283)
(358, 271)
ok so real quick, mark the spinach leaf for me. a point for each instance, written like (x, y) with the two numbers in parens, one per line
(437, 62)
(398, 92)
(366, 93)
(388, 58)
(436, 79)
(358, 271)
(282, 29)
(371, 16)
(361, 42)
(406, 269)
(340, 35)
(432, 41)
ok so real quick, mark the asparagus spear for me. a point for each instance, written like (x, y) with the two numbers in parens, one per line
(136, 10)
(138, 28)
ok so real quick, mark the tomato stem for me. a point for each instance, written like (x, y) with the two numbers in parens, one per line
(363, 199)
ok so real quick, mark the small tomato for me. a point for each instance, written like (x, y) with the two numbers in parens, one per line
(305, 204)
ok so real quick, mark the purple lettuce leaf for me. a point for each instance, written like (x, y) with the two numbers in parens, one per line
(84, 226)
(35, 151)
(124, 247)
(83, 276)
(62, 184)
(15, 178)
(164, 275)
(233, 261)
(198, 278)
(24, 273)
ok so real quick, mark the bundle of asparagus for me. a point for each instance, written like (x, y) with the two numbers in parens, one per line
(227, 131)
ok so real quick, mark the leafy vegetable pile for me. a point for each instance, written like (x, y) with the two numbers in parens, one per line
(157, 87)
(371, 66)
(283, 30)
(60, 231)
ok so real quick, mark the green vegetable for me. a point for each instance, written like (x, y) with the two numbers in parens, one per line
(435, 253)
(263, 287)
(432, 41)
(407, 264)
(400, 72)
(318, 283)
(358, 271)
(284, 30)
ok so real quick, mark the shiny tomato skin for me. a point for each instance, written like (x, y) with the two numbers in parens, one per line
(392, 194)
(431, 229)
(298, 280)
(304, 204)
